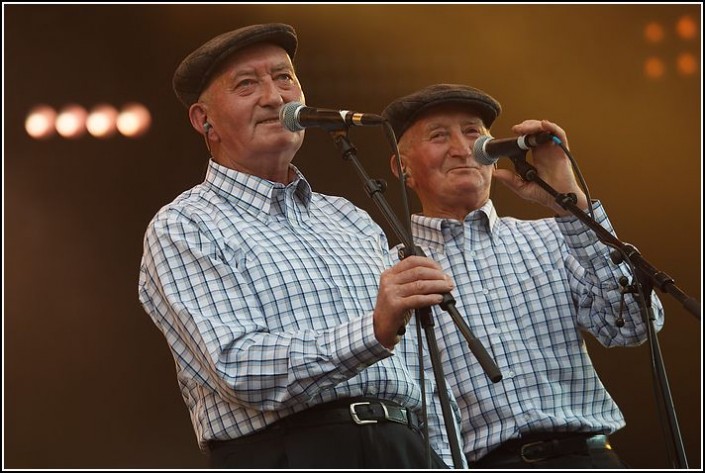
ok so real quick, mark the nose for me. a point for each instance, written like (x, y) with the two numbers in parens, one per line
(460, 145)
(271, 95)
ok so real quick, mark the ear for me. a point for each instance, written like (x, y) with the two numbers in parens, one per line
(404, 169)
(198, 115)
(394, 165)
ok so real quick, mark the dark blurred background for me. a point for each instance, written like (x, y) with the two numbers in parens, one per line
(89, 381)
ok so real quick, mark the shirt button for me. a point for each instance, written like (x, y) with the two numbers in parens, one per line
(485, 291)
(472, 254)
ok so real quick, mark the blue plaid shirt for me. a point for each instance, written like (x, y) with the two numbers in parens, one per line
(265, 295)
(527, 290)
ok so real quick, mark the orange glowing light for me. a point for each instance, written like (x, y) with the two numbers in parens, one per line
(654, 68)
(686, 64)
(686, 27)
(653, 32)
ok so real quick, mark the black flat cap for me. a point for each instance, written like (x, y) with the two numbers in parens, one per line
(403, 112)
(195, 71)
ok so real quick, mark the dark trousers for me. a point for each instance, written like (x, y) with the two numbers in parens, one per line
(287, 444)
(553, 451)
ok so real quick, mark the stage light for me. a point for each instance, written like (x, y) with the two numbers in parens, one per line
(134, 120)
(102, 121)
(40, 122)
(686, 64)
(71, 121)
(653, 32)
(654, 68)
(686, 28)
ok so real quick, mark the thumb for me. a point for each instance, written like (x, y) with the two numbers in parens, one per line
(510, 179)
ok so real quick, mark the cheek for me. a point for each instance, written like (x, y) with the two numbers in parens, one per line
(237, 117)
(429, 179)
(294, 94)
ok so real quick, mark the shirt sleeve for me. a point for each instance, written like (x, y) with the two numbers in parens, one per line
(594, 281)
(213, 322)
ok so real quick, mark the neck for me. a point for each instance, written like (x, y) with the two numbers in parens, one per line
(452, 209)
(276, 169)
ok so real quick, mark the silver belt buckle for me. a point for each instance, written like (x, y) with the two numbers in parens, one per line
(356, 418)
(522, 453)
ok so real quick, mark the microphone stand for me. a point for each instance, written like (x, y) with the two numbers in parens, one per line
(374, 189)
(646, 276)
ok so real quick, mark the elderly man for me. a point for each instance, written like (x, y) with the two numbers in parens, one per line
(527, 289)
(281, 306)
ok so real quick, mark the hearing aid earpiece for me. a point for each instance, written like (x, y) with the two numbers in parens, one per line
(206, 128)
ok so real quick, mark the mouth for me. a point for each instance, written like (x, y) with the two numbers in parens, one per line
(269, 121)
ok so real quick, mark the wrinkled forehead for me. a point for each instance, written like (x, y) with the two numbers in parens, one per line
(445, 116)
(254, 58)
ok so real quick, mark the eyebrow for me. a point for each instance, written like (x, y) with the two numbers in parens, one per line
(443, 123)
(282, 66)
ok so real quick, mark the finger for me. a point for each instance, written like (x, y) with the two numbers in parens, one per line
(555, 130)
(510, 179)
(415, 261)
(527, 127)
(418, 274)
(421, 300)
(415, 288)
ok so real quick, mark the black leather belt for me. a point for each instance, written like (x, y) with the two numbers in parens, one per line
(358, 411)
(535, 448)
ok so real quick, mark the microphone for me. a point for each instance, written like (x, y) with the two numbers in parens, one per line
(296, 116)
(487, 150)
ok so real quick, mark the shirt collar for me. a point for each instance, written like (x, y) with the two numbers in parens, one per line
(433, 231)
(253, 193)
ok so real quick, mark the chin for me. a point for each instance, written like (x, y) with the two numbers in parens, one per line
(282, 141)
(467, 179)
(470, 186)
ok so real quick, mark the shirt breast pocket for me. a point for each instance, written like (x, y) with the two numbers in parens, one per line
(544, 309)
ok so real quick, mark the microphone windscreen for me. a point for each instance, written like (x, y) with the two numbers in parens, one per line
(288, 116)
(478, 150)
